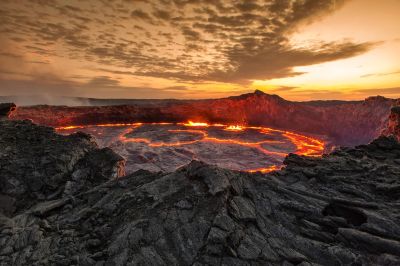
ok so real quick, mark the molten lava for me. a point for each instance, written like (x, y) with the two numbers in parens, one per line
(196, 124)
(182, 134)
(266, 169)
(99, 125)
(234, 128)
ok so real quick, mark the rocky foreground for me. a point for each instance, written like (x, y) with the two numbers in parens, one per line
(64, 201)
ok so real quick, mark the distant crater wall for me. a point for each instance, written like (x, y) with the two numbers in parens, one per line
(344, 123)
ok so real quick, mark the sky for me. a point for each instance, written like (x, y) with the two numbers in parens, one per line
(193, 49)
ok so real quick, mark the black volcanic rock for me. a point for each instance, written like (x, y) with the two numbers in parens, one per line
(393, 128)
(6, 109)
(38, 164)
(341, 209)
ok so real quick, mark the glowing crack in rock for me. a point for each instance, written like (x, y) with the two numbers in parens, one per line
(167, 146)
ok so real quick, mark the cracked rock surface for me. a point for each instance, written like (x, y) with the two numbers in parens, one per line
(36, 164)
(341, 209)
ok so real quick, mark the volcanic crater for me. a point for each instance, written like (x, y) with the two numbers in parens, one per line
(168, 146)
(251, 132)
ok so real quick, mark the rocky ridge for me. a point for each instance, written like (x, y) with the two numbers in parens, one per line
(393, 128)
(6, 109)
(340, 209)
(343, 122)
(36, 164)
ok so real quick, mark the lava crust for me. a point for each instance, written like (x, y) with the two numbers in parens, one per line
(166, 146)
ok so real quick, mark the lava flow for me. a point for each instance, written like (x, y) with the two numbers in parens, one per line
(166, 146)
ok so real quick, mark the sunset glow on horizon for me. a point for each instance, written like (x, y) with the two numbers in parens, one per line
(184, 49)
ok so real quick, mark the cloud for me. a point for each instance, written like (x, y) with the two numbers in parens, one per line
(162, 14)
(277, 61)
(380, 74)
(140, 14)
(317, 95)
(357, 94)
(102, 81)
(185, 40)
(8, 54)
(380, 91)
(190, 34)
(282, 89)
(176, 88)
(39, 85)
(53, 87)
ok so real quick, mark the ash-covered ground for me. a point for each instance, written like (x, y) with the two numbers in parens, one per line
(167, 146)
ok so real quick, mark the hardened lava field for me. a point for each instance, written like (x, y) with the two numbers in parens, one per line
(168, 146)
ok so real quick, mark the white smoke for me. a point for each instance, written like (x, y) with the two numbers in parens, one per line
(29, 100)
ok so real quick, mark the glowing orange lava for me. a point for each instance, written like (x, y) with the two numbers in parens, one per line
(100, 125)
(234, 128)
(196, 124)
(266, 169)
(304, 145)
